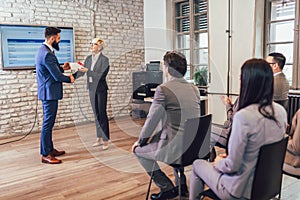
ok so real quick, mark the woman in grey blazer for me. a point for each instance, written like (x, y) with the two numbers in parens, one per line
(258, 121)
(96, 67)
(292, 156)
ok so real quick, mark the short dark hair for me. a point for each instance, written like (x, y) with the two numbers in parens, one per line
(50, 31)
(279, 58)
(176, 63)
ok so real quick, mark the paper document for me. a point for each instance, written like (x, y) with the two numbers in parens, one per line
(75, 66)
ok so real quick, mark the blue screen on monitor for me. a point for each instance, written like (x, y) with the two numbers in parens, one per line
(19, 45)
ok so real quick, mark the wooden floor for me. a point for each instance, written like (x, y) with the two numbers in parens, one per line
(87, 172)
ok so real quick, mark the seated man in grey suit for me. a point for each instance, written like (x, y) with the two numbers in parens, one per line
(174, 102)
(281, 84)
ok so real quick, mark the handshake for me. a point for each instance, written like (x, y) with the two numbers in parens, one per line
(79, 66)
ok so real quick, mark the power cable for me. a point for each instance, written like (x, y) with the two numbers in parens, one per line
(24, 136)
(35, 117)
(110, 118)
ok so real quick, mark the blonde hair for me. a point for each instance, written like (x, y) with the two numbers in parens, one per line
(99, 41)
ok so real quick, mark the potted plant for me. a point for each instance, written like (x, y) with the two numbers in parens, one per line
(200, 79)
(200, 76)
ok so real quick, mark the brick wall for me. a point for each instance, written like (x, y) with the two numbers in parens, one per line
(118, 22)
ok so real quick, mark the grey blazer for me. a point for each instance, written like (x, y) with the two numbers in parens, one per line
(96, 79)
(174, 102)
(250, 131)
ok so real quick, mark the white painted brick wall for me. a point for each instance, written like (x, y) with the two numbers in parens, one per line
(118, 22)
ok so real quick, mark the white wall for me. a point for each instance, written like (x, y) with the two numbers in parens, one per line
(242, 45)
(244, 42)
(157, 29)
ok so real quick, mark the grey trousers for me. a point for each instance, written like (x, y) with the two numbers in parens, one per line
(159, 177)
(204, 172)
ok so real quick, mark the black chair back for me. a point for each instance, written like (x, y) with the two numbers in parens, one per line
(268, 173)
(195, 143)
(196, 139)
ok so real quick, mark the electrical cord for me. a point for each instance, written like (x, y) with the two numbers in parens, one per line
(35, 117)
(110, 118)
(79, 104)
(24, 136)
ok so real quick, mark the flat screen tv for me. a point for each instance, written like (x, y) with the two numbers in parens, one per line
(19, 44)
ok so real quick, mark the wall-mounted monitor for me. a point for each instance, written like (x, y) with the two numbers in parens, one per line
(19, 44)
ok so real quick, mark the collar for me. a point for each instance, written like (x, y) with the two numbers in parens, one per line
(96, 54)
(275, 74)
(49, 46)
(172, 78)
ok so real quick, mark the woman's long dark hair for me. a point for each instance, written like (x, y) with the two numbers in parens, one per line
(257, 86)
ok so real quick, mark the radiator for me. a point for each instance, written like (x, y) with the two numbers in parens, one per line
(294, 105)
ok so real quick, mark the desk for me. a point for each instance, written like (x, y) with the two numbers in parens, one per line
(145, 82)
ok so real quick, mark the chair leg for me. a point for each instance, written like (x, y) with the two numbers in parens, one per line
(179, 184)
(149, 185)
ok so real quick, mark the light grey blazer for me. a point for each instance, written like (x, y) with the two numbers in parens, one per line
(250, 131)
(292, 156)
(174, 102)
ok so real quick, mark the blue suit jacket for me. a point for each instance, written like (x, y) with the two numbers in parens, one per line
(49, 75)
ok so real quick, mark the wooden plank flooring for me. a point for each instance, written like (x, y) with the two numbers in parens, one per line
(87, 173)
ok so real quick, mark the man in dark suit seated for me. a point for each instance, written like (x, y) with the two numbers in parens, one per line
(174, 102)
(50, 76)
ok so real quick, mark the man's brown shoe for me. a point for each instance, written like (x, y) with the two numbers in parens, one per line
(54, 153)
(50, 160)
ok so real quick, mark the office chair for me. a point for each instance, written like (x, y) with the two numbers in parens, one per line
(268, 174)
(198, 129)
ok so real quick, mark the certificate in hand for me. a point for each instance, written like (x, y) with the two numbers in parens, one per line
(76, 66)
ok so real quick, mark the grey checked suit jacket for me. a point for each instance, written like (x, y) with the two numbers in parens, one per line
(174, 102)
(281, 87)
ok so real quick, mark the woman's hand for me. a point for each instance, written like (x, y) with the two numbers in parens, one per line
(226, 100)
(219, 157)
(83, 69)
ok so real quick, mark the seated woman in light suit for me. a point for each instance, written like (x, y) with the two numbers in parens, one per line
(292, 156)
(257, 122)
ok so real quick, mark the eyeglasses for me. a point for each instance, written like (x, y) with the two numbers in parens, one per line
(94, 44)
(272, 63)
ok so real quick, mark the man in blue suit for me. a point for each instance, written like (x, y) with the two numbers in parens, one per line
(49, 80)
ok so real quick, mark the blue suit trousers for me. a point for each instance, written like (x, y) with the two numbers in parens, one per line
(49, 111)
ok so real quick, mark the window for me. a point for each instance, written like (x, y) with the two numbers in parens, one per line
(282, 34)
(192, 33)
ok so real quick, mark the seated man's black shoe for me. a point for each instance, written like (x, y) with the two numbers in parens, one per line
(165, 195)
(184, 190)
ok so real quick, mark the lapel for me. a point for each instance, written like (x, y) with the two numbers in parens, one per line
(89, 62)
(49, 50)
(98, 62)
